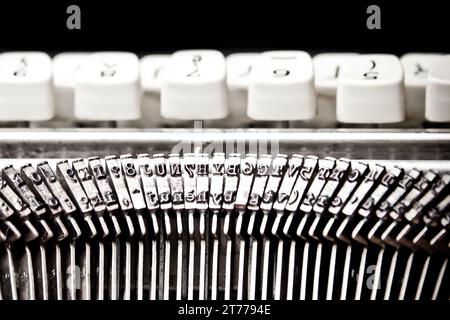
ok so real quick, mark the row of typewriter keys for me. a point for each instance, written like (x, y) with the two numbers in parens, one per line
(240, 90)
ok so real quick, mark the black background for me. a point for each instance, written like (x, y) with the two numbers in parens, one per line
(149, 310)
(228, 25)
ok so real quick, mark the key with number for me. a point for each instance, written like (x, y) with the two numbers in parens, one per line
(370, 90)
(193, 86)
(281, 87)
(107, 87)
(26, 87)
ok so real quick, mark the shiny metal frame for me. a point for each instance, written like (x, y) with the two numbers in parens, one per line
(425, 148)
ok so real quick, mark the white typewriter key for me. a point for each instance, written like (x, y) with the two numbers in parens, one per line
(26, 91)
(281, 87)
(151, 67)
(239, 66)
(370, 90)
(65, 67)
(151, 70)
(416, 67)
(193, 86)
(327, 67)
(437, 100)
(107, 87)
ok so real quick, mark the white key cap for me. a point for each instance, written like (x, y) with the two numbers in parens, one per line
(437, 101)
(26, 90)
(193, 86)
(327, 67)
(239, 66)
(151, 70)
(370, 90)
(281, 87)
(65, 66)
(416, 67)
(107, 87)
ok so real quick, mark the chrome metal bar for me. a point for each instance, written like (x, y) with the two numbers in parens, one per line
(427, 144)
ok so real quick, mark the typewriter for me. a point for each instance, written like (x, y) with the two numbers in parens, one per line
(224, 174)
